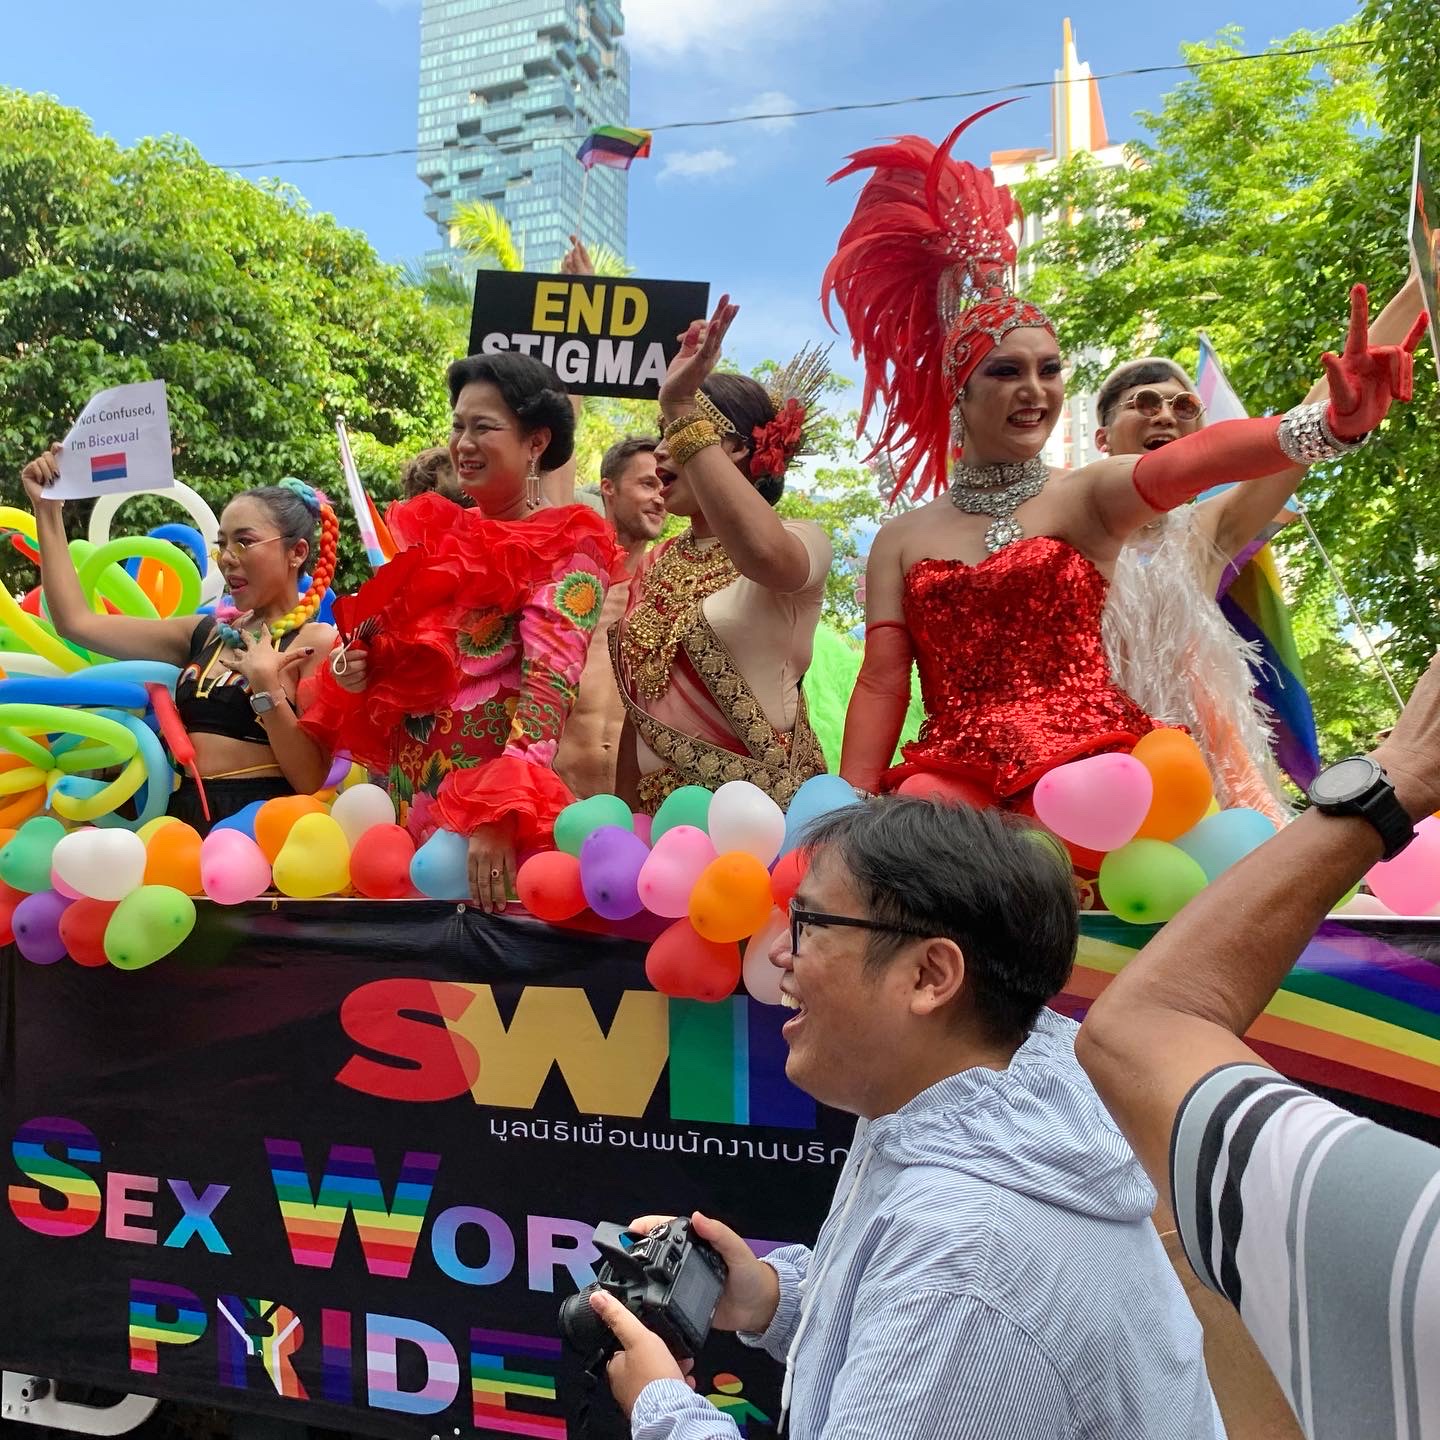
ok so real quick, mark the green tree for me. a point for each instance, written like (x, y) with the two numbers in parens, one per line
(1262, 191)
(265, 320)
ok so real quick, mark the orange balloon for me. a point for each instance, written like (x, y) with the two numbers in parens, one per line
(1182, 784)
(173, 858)
(731, 899)
(22, 807)
(276, 818)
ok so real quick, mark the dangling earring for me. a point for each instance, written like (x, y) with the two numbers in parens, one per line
(957, 424)
(532, 485)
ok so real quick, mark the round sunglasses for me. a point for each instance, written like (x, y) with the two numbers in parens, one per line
(1150, 403)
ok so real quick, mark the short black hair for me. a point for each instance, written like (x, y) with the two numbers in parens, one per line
(425, 471)
(747, 405)
(533, 392)
(992, 883)
(622, 452)
(1149, 370)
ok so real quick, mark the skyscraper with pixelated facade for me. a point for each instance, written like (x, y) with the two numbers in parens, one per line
(508, 89)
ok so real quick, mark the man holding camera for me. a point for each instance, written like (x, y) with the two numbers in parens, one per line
(988, 1267)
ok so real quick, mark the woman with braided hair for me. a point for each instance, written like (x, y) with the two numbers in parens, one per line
(239, 679)
(996, 587)
(721, 619)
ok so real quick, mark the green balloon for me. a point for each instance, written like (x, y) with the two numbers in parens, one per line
(575, 822)
(25, 860)
(1148, 881)
(147, 925)
(689, 805)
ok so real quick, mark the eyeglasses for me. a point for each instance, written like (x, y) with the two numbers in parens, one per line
(237, 548)
(1150, 403)
(801, 918)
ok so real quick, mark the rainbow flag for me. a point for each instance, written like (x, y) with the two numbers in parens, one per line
(1358, 1015)
(615, 146)
(1252, 601)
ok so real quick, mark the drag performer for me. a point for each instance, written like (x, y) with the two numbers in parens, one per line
(722, 618)
(463, 654)
(996, 588)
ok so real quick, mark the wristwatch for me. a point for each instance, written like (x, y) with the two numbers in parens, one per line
(1358, 786)
(264, 702)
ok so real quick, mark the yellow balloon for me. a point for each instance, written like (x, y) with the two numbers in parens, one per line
(25, 629)
(314, 860)
(104, 800)
(1214, 808)
(151, 826)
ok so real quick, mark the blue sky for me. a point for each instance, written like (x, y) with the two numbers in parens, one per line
(744, 207)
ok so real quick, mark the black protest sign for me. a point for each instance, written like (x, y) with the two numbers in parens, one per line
(601, 336)
(339, 1162)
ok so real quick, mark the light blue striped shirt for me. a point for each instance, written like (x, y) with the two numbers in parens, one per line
(988, 1270)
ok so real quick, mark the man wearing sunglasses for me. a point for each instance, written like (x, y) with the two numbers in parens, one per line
(988, 1267)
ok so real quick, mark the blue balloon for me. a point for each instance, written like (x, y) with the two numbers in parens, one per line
(325, 615)
(1219, 840)
(440, 867)
(137, 672)
(72, 690)
(818, 796)
(241, 820)
(189, 539)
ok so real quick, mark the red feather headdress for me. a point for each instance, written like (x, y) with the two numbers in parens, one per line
(921, 275)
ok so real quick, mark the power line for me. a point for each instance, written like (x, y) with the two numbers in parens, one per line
(768, 115)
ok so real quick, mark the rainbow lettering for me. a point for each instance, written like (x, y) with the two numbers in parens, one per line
(149, 1301)
(388, 1232)
(263, 1328)
(81, 1195)
(491, 1383)
(383, 1335)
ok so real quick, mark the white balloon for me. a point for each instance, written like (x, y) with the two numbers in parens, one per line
(361, 808)
(192, 502)
(103, 864)
(744, 817)
(18, 662)
(1366, 905)
(762, 979)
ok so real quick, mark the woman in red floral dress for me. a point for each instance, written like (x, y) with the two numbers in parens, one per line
(475, 645)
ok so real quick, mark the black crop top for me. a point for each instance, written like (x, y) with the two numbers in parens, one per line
(211, 700)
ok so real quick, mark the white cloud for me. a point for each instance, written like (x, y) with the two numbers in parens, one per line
(662, 29)
(692, 164)
(768, 102)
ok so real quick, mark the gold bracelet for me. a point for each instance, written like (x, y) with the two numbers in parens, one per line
(679, 423)
(697, 436)
(713, 413)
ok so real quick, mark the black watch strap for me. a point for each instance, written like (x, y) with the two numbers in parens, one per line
(1370, 796)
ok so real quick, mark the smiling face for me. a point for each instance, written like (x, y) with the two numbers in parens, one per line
(634, 501)
(265, 571)
(1013, 398)
(1131, 433)
(488, 452)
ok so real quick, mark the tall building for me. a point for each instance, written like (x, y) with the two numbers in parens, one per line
(508, 88)
(1077, 125)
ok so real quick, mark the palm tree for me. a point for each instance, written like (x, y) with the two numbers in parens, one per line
(479, 229)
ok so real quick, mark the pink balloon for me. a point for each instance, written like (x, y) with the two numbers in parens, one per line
(674, 865)
(233, 868)
(762, 978)
(642, 823)
(1410, 883)
(1098, 803)
(61, 888)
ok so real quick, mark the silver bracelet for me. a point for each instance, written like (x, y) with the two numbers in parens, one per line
(1306, 437)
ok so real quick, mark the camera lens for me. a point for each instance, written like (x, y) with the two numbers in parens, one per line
(581, 1328)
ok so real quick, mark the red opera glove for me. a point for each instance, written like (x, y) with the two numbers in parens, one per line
(876, 713)
(1365, 379)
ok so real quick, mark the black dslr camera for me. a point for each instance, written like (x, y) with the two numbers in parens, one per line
(670, 1280)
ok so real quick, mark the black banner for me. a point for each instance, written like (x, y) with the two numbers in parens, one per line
(339, 1161)
(601, 336)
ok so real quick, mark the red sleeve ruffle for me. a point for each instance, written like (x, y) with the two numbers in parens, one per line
(506, 786)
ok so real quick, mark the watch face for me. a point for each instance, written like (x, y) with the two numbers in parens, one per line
(1346, 781)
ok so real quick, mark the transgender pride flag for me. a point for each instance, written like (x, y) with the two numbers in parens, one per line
(1251, 600)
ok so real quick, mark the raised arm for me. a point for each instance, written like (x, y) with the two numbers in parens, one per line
(122, 637)
(559, 485)
(876, 713)
(1123, 492)
(1178, 1010)
(1243, 512)
(745, 523)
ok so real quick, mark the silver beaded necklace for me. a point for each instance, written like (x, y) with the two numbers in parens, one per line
(998, 490)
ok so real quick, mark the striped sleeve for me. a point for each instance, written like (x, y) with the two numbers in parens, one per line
(1320, 1227)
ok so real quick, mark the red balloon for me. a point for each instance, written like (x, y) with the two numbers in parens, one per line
(31, 603)
(380, 863)
(686, 966)
(785, 878)
(548, 885)
(82, 928)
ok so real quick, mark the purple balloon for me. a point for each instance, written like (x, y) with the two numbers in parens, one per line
(610, 861)
(339, 769)
(36, 922)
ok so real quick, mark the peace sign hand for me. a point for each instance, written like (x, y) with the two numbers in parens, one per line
(699, 354)
(1366, 379)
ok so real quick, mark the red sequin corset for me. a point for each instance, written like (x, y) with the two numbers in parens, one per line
(1012, 667)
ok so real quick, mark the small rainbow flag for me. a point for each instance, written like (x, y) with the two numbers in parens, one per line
(615, 146)
(1252, 601)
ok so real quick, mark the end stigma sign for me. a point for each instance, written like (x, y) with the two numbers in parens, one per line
(601, 336)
